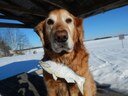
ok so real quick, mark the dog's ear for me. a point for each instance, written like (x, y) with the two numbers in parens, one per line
(80, 32)
(39, 29)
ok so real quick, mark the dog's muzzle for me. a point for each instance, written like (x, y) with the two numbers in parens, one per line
(61, 36)
(61, 41)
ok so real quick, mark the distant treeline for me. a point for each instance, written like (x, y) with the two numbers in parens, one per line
(106, 37)
(103, 38)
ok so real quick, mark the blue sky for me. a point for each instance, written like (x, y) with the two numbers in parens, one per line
(109, 23)
(112, 22)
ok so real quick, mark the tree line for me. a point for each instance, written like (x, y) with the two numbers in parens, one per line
(12, 39)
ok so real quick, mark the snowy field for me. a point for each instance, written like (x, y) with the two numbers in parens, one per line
(10, 66)
(108, 63)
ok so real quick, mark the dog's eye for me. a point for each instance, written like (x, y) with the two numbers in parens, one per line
(68, 20)
(50, 22)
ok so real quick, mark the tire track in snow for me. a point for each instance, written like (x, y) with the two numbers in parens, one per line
(115, 70)
(99, 59)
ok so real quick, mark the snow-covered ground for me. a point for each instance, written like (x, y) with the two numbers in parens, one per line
(10, 66)
(108, 62)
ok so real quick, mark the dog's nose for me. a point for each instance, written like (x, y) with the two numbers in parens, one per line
(61, 36)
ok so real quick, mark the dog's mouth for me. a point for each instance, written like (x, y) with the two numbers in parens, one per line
(62, 47)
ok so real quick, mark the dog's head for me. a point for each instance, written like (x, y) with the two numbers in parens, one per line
(60, 31)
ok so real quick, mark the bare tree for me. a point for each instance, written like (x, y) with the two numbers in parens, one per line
(22, 42)
(12, 39)
(15, 39)
(4, 48)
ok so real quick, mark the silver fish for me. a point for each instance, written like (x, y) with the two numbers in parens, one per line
(62, 71)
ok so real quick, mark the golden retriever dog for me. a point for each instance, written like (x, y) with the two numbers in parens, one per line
(62, 37)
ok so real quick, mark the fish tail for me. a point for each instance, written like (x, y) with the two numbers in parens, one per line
(80, 84)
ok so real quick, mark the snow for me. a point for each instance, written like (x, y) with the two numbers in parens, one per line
(10, 66)
(108, 62)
